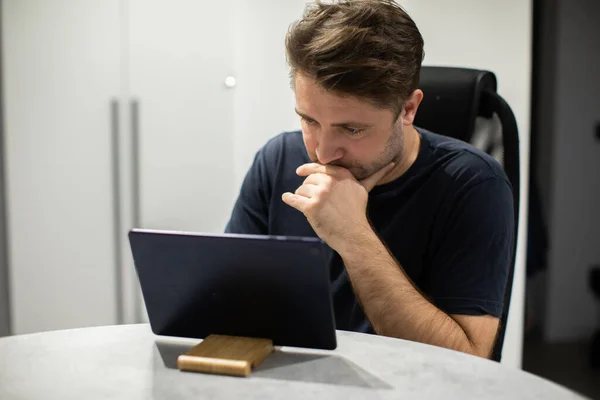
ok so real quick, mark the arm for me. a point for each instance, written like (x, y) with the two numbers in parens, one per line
(396, 308)
(469, 267)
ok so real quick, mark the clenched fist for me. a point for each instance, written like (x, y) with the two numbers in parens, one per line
(334, 202)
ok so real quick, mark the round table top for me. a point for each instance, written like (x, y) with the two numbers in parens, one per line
(130, 362)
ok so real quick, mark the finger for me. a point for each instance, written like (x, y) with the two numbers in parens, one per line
(314, 168)
(317, 179)
(370, 182)
(298, 202)
(307, 190)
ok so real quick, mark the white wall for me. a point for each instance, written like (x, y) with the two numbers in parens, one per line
(472, 33)
(572, 311)
(264, 102)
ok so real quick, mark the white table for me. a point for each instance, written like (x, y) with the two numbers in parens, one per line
(129, 362)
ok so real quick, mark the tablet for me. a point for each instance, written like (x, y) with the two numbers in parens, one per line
(272, 287)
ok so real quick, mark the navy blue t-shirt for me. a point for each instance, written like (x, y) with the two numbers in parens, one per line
(448, 221)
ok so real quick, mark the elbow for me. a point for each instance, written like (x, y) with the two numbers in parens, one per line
(480, 353)
(476, 350)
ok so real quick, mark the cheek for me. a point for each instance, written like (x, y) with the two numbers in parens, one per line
(310, 140)
(365, 150)
(376, 144)
(359, 150)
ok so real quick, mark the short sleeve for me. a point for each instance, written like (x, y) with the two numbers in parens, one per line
(469, 268)
(250, 213)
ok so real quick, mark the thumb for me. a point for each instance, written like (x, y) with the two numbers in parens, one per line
(370, 182)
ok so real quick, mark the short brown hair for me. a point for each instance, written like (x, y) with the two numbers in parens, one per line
(369, 49)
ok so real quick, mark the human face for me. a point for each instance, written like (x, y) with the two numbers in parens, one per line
(347, 131)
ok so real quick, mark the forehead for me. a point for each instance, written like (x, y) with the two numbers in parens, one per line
(312, 99)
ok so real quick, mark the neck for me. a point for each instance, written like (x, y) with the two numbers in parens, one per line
(410, 152)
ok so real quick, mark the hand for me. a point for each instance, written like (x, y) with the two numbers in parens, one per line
(334, 202)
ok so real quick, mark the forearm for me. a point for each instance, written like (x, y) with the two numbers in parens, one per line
(394, 306)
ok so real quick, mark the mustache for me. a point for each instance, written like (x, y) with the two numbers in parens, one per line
(347, 165)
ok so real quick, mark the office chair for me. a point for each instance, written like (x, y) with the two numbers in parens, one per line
(463, 103)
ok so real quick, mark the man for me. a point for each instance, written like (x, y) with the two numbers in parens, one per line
(420, 225)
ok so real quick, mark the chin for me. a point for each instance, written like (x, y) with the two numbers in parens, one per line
(360, 174)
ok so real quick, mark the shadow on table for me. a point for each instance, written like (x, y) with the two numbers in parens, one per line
(294, 366)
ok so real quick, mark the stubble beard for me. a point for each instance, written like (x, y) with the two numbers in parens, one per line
(393, 151)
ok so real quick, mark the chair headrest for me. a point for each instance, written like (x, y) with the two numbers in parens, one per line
(452, 98)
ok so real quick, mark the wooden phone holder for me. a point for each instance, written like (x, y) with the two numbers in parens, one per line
(226, 355)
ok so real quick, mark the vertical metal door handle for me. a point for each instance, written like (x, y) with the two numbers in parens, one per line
(135, 187)
(116, 203)
(135, 160)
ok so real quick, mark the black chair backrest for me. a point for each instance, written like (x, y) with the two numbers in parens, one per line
(455, 100)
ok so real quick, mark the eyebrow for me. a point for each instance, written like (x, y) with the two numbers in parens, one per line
(342, 124)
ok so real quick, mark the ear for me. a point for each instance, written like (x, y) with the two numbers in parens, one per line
(411, 105)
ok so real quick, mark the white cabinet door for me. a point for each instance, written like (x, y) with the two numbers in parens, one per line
(180, 53)
(264, 100)
(61, 70)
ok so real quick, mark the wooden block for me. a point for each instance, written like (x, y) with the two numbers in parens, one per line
(226, 355)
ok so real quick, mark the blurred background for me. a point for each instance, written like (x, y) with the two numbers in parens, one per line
(147, 113)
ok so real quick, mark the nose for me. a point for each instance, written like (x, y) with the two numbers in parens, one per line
(328, 150)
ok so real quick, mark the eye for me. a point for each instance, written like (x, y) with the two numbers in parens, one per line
(308, 120)
(353, 131)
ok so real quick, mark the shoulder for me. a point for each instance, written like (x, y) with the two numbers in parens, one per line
(462, 163)
(282, 143)
(279, 157)
(286, 148)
